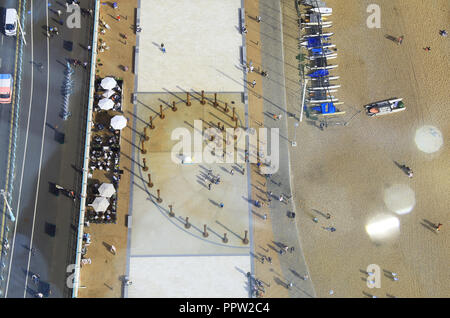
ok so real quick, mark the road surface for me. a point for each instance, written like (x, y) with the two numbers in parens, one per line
(43, 238)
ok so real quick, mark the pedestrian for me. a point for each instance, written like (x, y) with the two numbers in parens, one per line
(221, 205)
(232, 172)
(35, 278)
(264, 73)
(281, 198)
(291, 249)
(39, 295)
(58, 12)
(438, 227)
(244, 29)
(265, 216)
(395, 278)
(85, 64)
(427, 48)
(394, 274)
(209, 186)
(243, 171)
(400, 40)
(251, 69)
(118, 17)
(253, 84)
(290, 285)
(443, 33)
(89, 47)
(163, 49)
(328, 215)
(258, 19)
(113, 249)
(305, 277)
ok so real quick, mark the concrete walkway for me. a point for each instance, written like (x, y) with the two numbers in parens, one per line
(285, 231)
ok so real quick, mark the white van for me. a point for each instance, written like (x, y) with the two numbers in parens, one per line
(10, 22)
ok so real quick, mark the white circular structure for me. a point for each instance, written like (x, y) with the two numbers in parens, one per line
(383, 227)
(429, 139)
(400, 198)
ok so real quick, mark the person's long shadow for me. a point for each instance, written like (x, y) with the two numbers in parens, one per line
(392, 38)
(429, 225)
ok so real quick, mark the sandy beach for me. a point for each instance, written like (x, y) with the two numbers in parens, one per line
(349, 171)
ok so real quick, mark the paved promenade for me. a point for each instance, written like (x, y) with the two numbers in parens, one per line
(186, 262)
(103, 278)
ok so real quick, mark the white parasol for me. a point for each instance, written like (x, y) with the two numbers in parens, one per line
(108, 93)
(106, 190)
(118, 122)
(100, 204)
(108, 83)
(106, 104)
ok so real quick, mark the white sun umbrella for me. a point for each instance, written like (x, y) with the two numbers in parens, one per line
(100, 204)
(108, 83)
(118, 122)
(108, 93)
(106, 190)
(106, 103)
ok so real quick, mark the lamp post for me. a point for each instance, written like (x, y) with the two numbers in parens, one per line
(11, 215)
(294, 142)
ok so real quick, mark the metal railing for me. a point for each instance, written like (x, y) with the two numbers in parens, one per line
(76, 278)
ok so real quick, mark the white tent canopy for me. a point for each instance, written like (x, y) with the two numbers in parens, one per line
(106, 190)
(118, 122)
(106, 104)
(100, 204)
(108, 93)
(108, 83)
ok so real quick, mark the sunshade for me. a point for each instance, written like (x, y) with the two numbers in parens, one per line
(106, 190)
(108, 83)
(118, 122)
(108, 93)
(106, 104)
(100, 204)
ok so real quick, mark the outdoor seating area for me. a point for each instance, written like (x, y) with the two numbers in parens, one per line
(104, 153)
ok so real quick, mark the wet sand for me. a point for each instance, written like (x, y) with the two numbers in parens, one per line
(346, 171)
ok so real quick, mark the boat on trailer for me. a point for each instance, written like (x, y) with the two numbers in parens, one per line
(331, 78)
(322, 10)
(323, 87)
(328, 56)
(317, 34)
(328, 67)
(384, 107)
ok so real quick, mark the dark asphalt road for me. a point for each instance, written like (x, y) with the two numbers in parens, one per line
(42, 160)
(7, 60)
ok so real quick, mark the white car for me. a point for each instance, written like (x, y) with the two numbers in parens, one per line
(10, 22)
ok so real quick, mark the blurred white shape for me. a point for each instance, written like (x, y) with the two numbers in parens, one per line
(429, 139)
(400, 198)
(383, 227)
